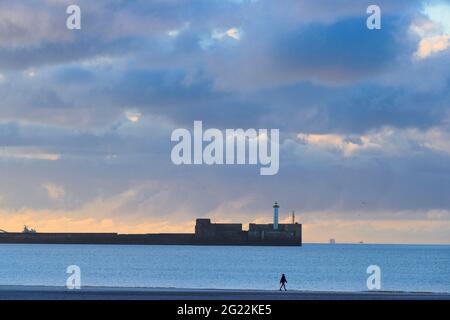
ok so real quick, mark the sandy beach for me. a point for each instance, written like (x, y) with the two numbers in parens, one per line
(105, 293)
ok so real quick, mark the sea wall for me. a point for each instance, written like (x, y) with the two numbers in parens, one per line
(206, 233)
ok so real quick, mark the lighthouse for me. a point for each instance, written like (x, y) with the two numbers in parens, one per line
(275, 216)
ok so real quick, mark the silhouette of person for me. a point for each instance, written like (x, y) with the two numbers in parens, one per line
(283, 282)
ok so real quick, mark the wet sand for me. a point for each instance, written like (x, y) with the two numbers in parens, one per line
(104, 293)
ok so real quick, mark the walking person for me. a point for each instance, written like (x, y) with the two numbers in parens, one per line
(283, 282)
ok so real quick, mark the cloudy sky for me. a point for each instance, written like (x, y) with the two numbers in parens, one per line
(86, 115)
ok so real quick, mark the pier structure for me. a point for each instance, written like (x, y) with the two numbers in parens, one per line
(206, 233)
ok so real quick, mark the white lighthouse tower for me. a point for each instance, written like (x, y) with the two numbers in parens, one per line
(275, 216)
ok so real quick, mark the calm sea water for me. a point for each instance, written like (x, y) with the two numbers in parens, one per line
(311, 267)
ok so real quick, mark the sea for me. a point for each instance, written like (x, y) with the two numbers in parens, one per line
(318, 267)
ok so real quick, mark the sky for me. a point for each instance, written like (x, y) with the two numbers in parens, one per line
(86, 115)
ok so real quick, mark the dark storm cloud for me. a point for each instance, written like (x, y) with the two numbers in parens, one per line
(60, 53)
(176, 78)
(326, 52)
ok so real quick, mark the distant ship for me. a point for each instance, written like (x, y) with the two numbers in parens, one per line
(332, 241)
(206, 233)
